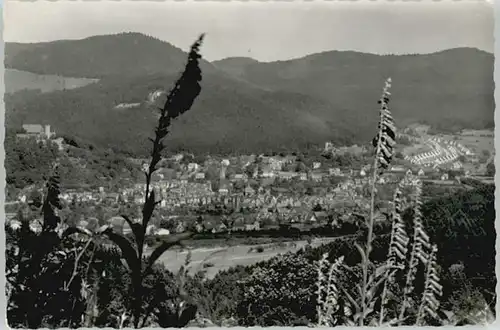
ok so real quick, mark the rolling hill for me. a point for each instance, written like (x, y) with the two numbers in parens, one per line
(246, 105)
(124, 54)
(452, 87)
(228, 116)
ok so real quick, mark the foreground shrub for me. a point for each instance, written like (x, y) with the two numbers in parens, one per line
(45, 271)
(217, 299)
(278, 293)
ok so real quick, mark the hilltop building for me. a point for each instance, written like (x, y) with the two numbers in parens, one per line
(37, 131)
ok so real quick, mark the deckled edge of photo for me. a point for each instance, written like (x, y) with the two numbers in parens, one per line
(3, 300)
(3, 303)
(496, 76)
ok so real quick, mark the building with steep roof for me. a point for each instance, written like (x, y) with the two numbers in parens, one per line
(37, 131)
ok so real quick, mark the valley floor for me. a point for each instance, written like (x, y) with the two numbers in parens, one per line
(222, 258)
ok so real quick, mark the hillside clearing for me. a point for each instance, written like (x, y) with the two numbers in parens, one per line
(17, 80)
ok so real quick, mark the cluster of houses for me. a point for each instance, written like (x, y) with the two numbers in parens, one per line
(271, 168)
(354, 149)
(440, 154)
(189, 187)
(172, 192)
(267, 210)
(263, 205)
(394, 174)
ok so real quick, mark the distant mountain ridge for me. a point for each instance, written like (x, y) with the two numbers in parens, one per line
(251, 60)
(247, 105)
(454, 85)
(130, 54)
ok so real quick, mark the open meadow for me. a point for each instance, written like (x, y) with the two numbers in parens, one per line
(222, 258)
(476, 142)
(17, 80)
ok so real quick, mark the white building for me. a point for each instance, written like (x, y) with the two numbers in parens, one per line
(193, 167)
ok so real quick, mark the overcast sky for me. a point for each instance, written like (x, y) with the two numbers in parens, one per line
(264, 31)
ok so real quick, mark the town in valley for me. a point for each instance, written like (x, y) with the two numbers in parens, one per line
(290, 196)
(242, 164)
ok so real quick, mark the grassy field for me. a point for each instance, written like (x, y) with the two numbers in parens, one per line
(476, 143)
(476, 140)
(477, 132)
(222, 258)
(416, 148)
(16, 80)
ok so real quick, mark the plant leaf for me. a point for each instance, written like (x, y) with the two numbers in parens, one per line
(126, 247)
(361, 252)
(148, 208)
(76, 230)
(187, 314)
(136, 229)
(351, 300)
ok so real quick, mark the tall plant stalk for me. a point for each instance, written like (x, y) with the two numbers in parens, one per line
(420, 244)
(398, 247)
(391, 256)
(384, 143)
(361, 311)
(179, 100)
(430, 304)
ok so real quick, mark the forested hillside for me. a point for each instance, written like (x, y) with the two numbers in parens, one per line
(298, 103)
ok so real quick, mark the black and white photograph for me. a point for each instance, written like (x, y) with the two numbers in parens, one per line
(175, 164)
